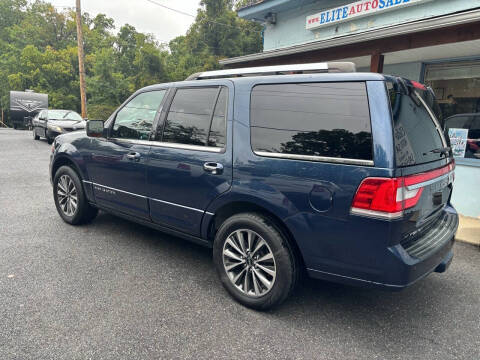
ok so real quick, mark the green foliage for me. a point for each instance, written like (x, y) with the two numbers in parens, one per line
(100, 112)
(38, 50)
(216, 33)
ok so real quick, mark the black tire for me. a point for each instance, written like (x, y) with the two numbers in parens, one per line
(285, 261)
(84, 212)
(49, 140)
(35, 136)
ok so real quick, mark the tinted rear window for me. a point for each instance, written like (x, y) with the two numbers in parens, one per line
(416, 133)
(315, 119)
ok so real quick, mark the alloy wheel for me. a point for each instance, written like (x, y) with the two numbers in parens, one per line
(67, 195)
(249, 262)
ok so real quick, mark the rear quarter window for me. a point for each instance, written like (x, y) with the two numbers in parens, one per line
(313, 119)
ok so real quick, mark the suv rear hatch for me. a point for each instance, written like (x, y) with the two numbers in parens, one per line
(426, 165)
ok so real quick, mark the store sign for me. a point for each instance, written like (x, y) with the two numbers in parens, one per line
(356, 10)
(458, 141)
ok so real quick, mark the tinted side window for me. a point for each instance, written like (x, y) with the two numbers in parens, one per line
(194, 116)
(316, 119)
(134, 121)
(218, 128)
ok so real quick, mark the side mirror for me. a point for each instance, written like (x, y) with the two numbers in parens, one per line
(95, 128)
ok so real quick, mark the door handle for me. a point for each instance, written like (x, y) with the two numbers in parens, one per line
(213, 168)
(134, 156)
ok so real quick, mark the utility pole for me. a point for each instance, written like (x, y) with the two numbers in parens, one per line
(81, 65)
(2, 122)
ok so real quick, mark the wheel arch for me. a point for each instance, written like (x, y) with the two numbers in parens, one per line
(64, 160)
(237, 207)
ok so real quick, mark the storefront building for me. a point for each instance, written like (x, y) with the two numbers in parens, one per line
(436, 42)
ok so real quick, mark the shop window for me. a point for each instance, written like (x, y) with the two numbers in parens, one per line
(457, 88)
(464, 133)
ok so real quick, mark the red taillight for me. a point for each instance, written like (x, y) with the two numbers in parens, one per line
(430, 175)
(378, 194)
(388, 197)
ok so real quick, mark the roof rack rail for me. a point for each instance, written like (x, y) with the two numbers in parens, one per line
(326, 67)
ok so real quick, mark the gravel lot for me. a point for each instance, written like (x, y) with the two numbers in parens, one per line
(117, 290)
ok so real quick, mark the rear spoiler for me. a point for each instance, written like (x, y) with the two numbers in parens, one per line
(408, 85)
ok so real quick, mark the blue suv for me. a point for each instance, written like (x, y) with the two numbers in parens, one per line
(280, 170)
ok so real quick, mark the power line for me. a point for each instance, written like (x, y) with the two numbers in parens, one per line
(73, 8)
(193, 16)
(169, 8)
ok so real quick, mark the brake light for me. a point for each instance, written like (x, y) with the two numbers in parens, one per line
(418, 85)
(389, 197)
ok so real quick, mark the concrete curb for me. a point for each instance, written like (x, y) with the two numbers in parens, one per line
(468, 230)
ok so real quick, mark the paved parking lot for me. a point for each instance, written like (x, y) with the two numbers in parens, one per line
(117, 290)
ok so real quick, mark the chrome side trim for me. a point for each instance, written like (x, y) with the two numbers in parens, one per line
(132, 141)
(429, 182)
(172, 145)
(182, 206)
(146, 197)
(122, 191)
(316, 158)
(187, 147)
(376, 214)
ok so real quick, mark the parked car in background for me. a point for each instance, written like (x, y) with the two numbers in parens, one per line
(51, 123)
(280, 170)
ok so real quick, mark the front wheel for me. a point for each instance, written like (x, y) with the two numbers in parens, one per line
(255, 261)
(35, 136)
(49, 140)
(70, 200)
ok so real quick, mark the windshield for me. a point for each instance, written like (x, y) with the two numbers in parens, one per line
(418, 134)
(63, 115)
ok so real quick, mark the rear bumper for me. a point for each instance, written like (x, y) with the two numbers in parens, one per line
(403, 267)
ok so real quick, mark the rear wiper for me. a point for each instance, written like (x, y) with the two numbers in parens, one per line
(441, 151)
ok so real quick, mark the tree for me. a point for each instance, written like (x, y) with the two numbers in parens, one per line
(216, 33)
(38, 51)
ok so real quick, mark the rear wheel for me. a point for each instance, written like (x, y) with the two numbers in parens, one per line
(70, 200)
(254, 261)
